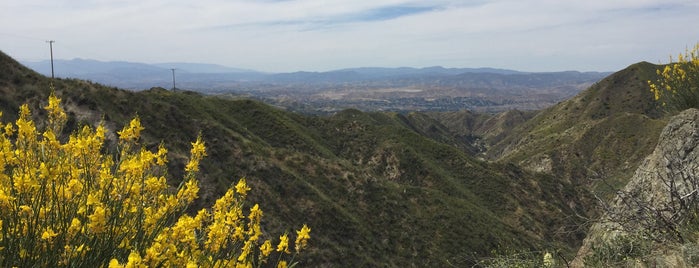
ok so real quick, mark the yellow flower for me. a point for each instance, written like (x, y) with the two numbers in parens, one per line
(548, 260)
(75, 186)
(255, 231)
(161, 155)
(242, 187)
(245, 251)
(114, 263)
(266, 248)
(198, 148)
(75, 226)
(98, 220)
(134, 260)
(255, 213)
(189, 192)
(5, 199)
(57, 116)
(239, 233)
(131, 132)
(155, 184)
(24, 183)
(50, 140)
(302, 237)
(43, 171)
(198, 151)
(281, 264)
(223, 202)
(48, 234)
(154, 252)
(283, 245)
(184, 229)
(676, 88)
(101, 202)
(43, 211)
(26, 130)
(192, 165)
(8, 130)
(25, 210)
(243, 265)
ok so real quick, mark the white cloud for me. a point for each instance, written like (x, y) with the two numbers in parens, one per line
(320, 35)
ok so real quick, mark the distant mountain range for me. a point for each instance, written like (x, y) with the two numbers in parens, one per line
(69, 68)
(133, 75)
(66, 68)
(369, 88)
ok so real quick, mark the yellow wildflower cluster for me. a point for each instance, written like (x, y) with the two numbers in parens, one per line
(65, 203)
(548, 260)
(678, 85)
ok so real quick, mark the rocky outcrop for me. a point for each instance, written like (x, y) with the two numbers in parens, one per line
(659, 194)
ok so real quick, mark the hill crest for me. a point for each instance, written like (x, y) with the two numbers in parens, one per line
(595, 139)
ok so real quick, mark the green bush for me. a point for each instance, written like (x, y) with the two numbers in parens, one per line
(618, 251)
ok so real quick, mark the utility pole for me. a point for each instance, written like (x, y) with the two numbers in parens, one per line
(173, 79)
(51, 48)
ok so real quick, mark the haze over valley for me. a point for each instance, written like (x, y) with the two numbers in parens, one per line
(368, 89)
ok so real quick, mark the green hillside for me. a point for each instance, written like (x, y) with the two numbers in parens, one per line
(602, 133)
(593, 141)
(378, 189)
(618, 111)
(481, 130)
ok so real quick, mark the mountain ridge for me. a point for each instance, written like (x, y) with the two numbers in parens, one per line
(43, 66)
(369, 89)
(594, 140)
(578, 134)
(87, 68)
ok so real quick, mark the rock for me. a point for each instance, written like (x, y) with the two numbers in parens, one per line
(671, 168)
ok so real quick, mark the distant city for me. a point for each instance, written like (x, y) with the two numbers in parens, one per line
(369, 89)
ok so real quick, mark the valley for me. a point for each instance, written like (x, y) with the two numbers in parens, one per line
(484, 90)
(418, 171)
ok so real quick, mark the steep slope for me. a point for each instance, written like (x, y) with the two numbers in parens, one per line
(375, 191)
(658, 204)
(602, 133)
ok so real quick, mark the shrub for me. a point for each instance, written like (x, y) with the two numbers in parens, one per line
(620, 251)
(678, 85)
(522, 259)
(68, 204)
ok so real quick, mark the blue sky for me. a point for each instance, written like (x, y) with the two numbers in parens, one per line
(320, 35)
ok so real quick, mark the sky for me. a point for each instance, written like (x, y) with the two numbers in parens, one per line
(322, 35)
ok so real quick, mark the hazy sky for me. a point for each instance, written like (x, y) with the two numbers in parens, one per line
(320, 35)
